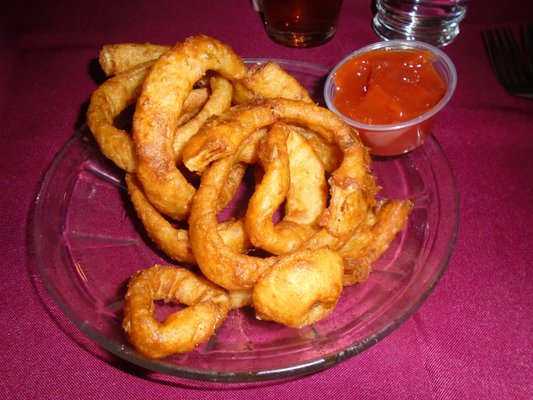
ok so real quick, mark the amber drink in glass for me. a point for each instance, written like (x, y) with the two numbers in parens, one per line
(300, 23)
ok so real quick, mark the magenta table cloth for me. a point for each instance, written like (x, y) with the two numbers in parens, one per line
(471, 339)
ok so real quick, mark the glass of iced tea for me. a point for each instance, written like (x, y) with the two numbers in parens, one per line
(300, 23)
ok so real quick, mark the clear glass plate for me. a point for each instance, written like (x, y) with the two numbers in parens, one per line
(88, 242)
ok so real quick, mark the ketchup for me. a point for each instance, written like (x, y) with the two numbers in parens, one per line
(387, 86)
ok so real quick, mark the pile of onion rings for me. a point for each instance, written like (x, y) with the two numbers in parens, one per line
(204, 126)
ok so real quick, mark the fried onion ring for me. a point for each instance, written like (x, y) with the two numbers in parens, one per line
(158, 109)
(308, 191)
(219, 263)
(116, 58)
(183, 330)
(352, 186)
(240, 298)
(175, 242)
(219, 101)
(269, 81)
(222, 136)
(370, 241)
(300, 288)
(107, 102)
(329, 154)
(286, 235)
(113, 97)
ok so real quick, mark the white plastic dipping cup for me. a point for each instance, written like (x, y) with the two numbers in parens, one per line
(432, 21)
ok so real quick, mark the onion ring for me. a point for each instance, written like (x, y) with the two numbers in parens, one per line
(286, 235)
(219, 263)
(240, 298)
(308, 191)
(300, 288)
(222, 136)
(329, 154)
(158, 108)
(107, 102)
(183, 330)
(219, 101)
(113, 97)
(269, 81)
(175, 242)
(372, 239)
(116, 58)
(352, 186)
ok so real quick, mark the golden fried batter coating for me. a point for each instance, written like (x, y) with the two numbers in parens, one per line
(300, 289)
(113, 97)
(218, 262)
(116, 58)
(308, 190)
(240, 298)
(219, 101)
(270, 193)
(158, 109)
(175, 242)
(183, 330)
(352, 184)
(269, 81)
(107, 102)
(370, 241)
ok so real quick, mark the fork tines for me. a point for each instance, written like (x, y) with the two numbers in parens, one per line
(512, 60)
(527, 42)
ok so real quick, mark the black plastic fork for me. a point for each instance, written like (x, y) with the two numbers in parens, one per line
(512, 59)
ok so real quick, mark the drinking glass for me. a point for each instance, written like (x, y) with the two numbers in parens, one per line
(432, 21)
(300, 23)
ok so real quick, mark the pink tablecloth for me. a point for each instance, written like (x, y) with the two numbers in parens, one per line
(472, 339)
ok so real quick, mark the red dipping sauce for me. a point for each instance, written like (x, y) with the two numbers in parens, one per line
(387, 86)
(391, 93)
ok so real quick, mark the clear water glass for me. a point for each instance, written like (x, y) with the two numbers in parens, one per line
(432, 21)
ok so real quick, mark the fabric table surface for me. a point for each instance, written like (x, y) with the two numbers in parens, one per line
(471, 339)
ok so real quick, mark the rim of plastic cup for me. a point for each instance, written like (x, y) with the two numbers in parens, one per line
(449, 68)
